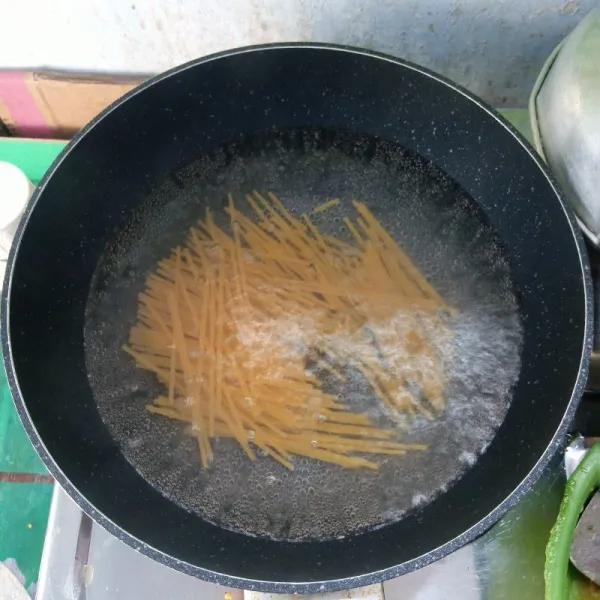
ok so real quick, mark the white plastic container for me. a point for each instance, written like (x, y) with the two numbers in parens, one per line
(15, 191)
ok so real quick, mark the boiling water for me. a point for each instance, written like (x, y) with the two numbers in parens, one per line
(449, 240)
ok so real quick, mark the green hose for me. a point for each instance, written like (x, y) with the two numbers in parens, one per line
(584, 480)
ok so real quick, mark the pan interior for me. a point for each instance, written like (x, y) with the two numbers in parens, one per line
(450, 241)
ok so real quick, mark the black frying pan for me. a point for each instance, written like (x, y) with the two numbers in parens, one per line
(450, 179)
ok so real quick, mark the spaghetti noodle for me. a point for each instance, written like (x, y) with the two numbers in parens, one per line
(245, 328)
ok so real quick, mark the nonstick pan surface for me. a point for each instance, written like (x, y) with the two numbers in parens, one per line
(462, 192)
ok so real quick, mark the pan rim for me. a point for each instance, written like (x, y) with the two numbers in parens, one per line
(308, 586)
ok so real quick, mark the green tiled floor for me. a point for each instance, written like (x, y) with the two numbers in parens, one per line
(23, 506)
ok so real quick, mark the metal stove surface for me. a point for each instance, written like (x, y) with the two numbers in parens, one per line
(82, 561)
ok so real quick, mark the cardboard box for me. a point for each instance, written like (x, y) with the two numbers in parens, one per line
(56, 105)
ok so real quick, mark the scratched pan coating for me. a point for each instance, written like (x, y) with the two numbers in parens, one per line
(449, 240)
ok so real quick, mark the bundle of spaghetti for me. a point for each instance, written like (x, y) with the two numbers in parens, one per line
(247, 325)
